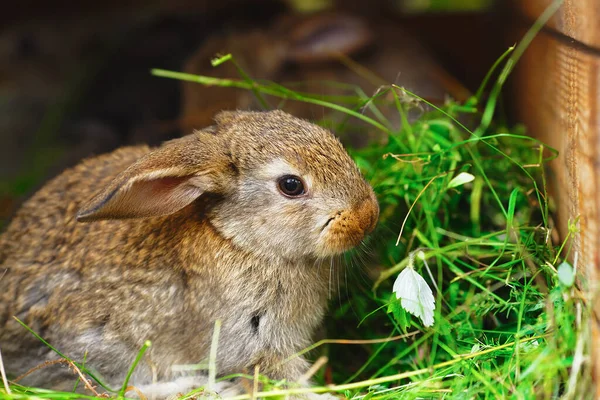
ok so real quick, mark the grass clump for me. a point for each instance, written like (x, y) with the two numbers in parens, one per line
(505, 325)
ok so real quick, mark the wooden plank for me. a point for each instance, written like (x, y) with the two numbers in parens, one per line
(578, 19)
(556, 89)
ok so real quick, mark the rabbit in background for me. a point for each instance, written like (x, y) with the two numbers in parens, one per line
(302, 52)
(235, 222)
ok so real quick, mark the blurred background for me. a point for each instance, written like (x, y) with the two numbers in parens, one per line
(75, 77)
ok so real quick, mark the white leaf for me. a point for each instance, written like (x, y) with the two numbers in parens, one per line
(415, 295)
(460, 179)
(566, 274)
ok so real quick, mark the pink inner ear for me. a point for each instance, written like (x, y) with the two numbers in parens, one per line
(161, 186)
(154, 197)
(145, 198)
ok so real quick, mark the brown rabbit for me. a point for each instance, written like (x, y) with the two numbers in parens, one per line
(304, 52)
(231, 223)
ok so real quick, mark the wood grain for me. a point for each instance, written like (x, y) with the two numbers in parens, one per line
(577, 19)
(556, 89)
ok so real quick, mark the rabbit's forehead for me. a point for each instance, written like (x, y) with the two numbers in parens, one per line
(276, 144)
(277, 167)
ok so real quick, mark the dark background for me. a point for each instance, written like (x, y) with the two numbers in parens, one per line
(75, 80)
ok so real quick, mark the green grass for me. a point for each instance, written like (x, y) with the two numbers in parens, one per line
(505, 325)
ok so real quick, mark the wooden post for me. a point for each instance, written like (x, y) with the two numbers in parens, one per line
(556, 90)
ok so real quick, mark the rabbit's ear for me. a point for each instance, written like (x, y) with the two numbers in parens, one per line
(162, 182)
(325, 37)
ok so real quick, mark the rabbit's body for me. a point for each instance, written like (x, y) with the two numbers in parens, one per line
(106, 287)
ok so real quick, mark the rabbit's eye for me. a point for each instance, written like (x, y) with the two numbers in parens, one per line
(291, 186)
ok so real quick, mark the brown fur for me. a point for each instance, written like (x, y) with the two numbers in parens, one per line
(148, 267)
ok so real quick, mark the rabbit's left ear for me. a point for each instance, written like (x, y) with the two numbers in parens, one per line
(163, 181)
(324, 37)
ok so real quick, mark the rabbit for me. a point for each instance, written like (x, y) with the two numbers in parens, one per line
(302, 52)
(235, 222)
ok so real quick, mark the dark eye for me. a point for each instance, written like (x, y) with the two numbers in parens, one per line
(291, 186)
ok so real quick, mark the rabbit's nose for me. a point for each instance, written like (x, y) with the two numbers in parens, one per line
(368, 213)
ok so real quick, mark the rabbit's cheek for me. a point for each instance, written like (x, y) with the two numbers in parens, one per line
(269, 225)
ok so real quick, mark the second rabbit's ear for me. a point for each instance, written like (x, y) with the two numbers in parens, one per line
(324, 37)
(163, 181)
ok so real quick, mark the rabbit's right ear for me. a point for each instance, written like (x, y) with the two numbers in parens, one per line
(163, 181)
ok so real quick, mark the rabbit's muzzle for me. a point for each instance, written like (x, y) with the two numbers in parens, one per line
(349, 227)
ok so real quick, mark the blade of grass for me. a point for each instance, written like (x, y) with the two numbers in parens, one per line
(139, 356)
(3, 374)
(207, 80)
(512, 60)
(212, 359)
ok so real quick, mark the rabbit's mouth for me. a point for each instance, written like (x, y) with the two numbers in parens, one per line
(329, 221)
